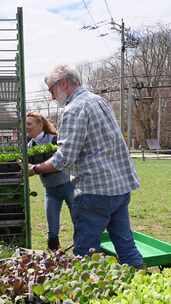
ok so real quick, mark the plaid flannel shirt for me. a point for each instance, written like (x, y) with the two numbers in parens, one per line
(91, 141)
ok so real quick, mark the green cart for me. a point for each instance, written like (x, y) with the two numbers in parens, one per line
(154, 252)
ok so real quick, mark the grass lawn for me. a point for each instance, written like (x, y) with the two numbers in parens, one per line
(150, 207)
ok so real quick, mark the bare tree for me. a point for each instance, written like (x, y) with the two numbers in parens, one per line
(148, 68)
(103, 78)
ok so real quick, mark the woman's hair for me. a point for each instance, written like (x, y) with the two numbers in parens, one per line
(48, 126)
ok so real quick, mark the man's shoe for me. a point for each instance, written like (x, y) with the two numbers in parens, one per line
(53, 244)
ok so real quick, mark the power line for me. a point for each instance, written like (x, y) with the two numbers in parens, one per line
(91, 16)
(95, 25)
(108, 10)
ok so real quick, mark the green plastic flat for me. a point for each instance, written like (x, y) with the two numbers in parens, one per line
(154, 252)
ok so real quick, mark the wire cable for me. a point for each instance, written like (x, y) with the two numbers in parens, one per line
(96, 26)
(108, 10)
(91, 16)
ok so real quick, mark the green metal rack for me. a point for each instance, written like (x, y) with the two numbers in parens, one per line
(14, 185)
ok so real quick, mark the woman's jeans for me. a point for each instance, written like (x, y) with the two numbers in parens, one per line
(92, 214)
(54, 198)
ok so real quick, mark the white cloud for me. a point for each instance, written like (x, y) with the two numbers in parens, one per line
(50, 39)
(56, 38)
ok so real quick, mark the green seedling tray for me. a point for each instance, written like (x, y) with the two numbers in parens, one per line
(154, 252)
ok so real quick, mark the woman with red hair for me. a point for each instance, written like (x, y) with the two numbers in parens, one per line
(57, 184)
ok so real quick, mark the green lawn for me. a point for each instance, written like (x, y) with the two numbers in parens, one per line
(150, 207)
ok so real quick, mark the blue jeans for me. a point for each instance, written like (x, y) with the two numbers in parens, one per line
(92, 214)
(54, 198)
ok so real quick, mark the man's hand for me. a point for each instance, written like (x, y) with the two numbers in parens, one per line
(45, 167)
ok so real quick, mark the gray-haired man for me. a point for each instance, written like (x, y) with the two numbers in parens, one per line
(91, 140)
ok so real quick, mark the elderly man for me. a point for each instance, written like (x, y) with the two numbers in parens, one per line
(91, 141)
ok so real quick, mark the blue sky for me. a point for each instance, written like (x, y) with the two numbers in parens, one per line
(67, 11)
(73, 10)
(52, 32)
(68, 7)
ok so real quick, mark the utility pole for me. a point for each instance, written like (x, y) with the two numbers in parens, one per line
(159, 121)
(121, 29)
(122, 76)
(127, 41)
(161, 107)
(130, 105)
(169, 55)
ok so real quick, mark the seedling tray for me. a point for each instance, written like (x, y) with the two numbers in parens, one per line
(154, 251)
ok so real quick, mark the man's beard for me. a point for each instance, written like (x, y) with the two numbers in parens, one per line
(61, 101)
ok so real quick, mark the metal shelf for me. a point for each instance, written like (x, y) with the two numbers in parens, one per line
(12, 223)
(10, 181)
(13, 132)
